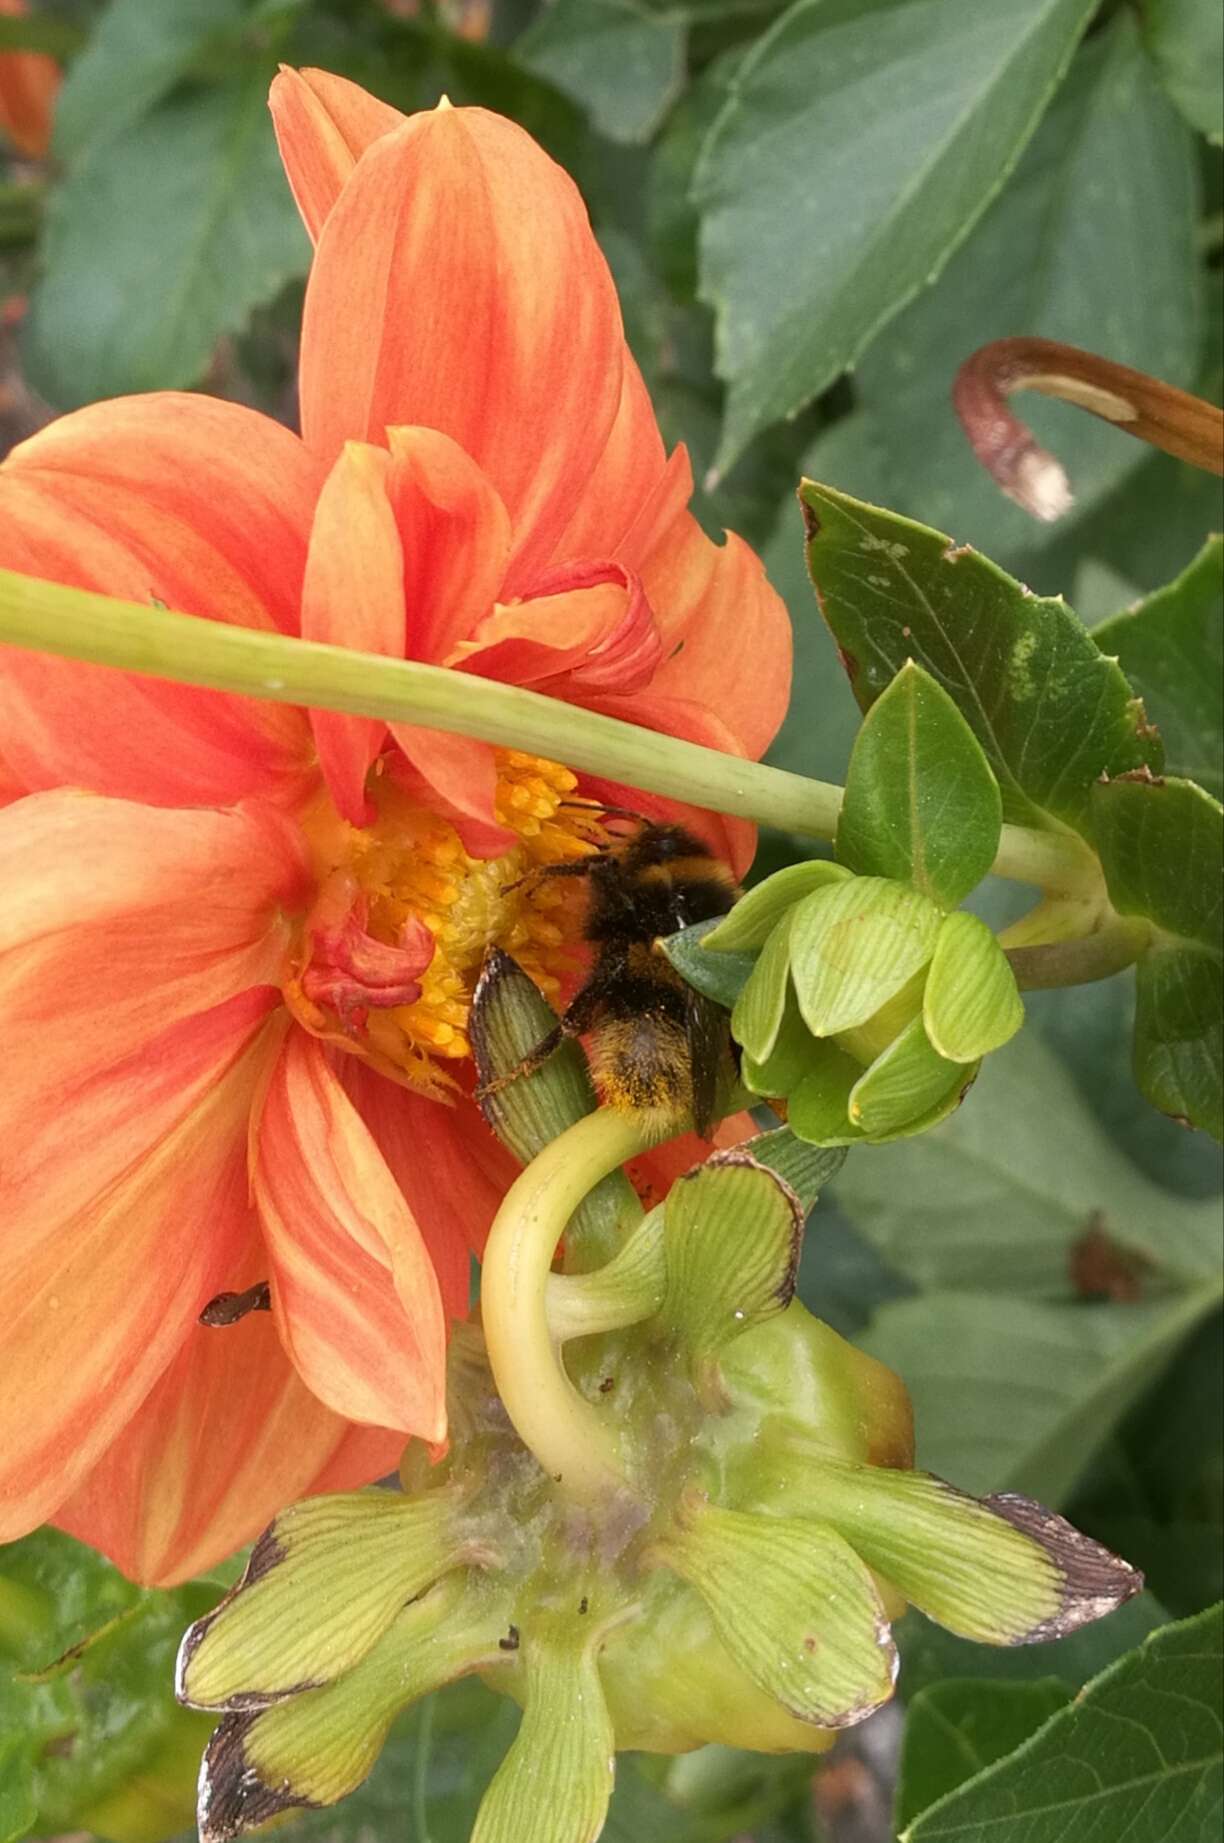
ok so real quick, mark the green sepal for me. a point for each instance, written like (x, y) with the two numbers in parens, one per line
(794, 1605)
(352, 1560)
(1001, 1570)
(314, 1748)
(721, 977)
(806, 1168)
(509, 1017)
(970, 1004)
(755, 916)
(757, 1016)
(555, 1783)
(856, 945)
(732, 1231)
(903, 1084)
(629, 1288)
(818, 1109)
(921, 804)
(795, 1053)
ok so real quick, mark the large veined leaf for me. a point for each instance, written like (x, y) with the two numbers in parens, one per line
(1186, 40)
(860, 141)
(158, 241)
(621, 61)
(1137, 1756)
(1105, 192)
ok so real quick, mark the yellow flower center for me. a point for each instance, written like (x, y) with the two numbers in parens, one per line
(382, 886)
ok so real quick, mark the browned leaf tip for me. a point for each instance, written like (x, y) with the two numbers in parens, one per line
(1094, 1580)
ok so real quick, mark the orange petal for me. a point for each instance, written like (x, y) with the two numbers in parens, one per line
(120, 926)
(95, 1304)
(227, 1437)
(354, 596)
(180, 499)
(456, 537)
(354, 1291)
(323, 126)
(29, 83)
(586, 632)
(457, 779)
(455, 1193)
(726, 633)
(457, 285)
(625, 479)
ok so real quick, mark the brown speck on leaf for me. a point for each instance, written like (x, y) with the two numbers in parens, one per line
(1142, 774)
(607, 1385)
(584, 1605)
(849, 664)
(811, 520)
(1101, 1268)
(511, 1641)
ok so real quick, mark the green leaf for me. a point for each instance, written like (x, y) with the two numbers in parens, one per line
(620, 61)
(1001, 1198)
(754, 917)
(904, 1082)
(1162, 851)
(956, 1728)
(1186, 40)
(921, 803)
(970, 1004)
(1015, 1394)
(807, 1169)
(793, 1604)
(796, 1053)
(555, 1783)
(1105, 192)
(854, 946)
(137, 53)
(157, 242)
(1136, 1755)
(860, 141)
(720, 976)
(1171, 648)
(1051, 714)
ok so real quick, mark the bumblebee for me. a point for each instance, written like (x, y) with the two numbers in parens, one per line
(658, 1048)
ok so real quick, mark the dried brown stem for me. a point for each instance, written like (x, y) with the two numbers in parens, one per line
(1171, 419)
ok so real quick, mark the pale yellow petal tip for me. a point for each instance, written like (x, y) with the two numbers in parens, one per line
(443, 102)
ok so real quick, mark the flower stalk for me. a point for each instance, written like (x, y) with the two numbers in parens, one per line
(567, 1435)
(104, 630)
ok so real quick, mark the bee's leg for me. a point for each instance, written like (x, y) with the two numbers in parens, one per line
(581, 1012)
(572, 867)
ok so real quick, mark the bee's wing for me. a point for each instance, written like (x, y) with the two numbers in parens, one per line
(705, 1027)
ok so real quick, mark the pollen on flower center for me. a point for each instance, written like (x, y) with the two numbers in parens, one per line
(390, 949)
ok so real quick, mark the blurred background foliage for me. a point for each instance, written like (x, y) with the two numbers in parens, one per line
(813, 211)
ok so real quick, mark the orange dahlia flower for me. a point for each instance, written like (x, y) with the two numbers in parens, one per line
(29, 83)
(237, 939)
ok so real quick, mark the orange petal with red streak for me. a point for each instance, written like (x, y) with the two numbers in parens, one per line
(227, 1437)
(353, 1289)
(202, 505)
(353, 595)
(457, 285)
(456, 538)
(118, 1281)
(323, 126)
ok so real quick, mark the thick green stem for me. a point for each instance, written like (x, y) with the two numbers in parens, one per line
(568, 1436)
(1079, 962)
(78, 624)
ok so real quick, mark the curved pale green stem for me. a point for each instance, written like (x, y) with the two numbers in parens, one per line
(568, 1436)
(78, 624)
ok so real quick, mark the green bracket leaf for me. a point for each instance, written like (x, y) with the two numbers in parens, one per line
(1171, 648)
(853, 947)
(1162, 851)
(970, 1003)
(1186, 41)
(1051, 714)
(921, 803)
